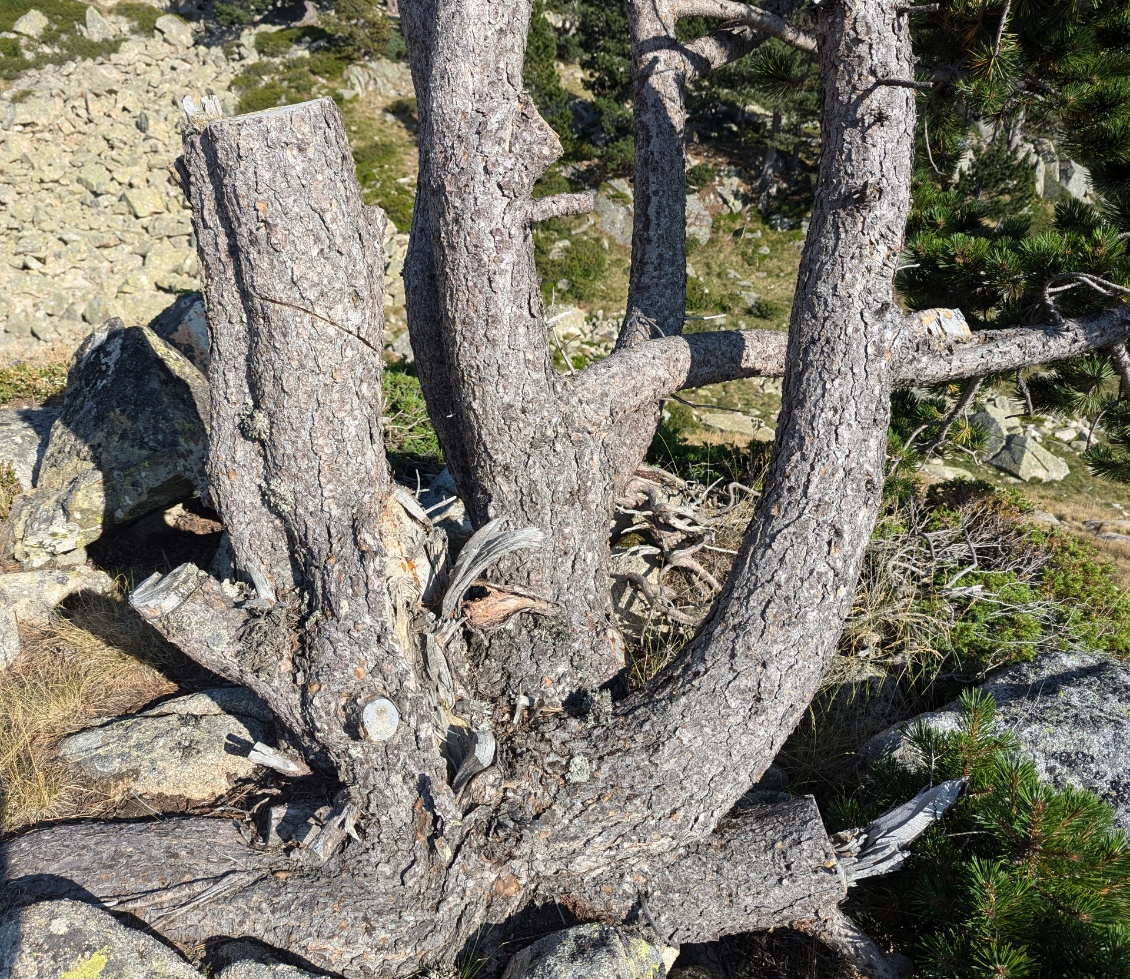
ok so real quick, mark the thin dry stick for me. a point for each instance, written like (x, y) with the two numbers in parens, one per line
(1000, 31)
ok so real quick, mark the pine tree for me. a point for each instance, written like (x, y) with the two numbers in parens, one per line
(1022, 879)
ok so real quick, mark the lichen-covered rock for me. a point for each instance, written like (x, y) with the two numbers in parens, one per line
(184, 325)
(175, 31)
(1071, 713)
(30, 596)
(1023, 457)
(72, 940)
(31, 24)
(23, 436)
(261, 970)
(131, 438)
(615, 219)
(192, 747)
(699, 220)
(997, 419)
(587, 951)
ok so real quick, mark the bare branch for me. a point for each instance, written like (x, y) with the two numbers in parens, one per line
(561, 205)
(655, 370)
(754, 17)
(729, 44)
(919, 362)
(968, 393)
(839, 932)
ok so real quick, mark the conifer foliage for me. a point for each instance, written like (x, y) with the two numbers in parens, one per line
(1022, 880)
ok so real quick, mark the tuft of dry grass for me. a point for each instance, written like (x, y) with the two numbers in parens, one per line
(10, 488)
(25, 382)
(97, 658)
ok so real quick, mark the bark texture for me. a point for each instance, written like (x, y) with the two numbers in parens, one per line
(623, 812)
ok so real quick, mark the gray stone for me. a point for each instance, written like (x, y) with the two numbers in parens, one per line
(946, 473)
(23, 438)
(996, 418)
(262, 970)
(29, 597)
(176, 31)
(737, 423)
(98, 28)
(193, 747)
(1071, 714)
(1075, 179)
(131, 438)
(615, 219)
(699, 221)
(31, 24)
(144, 202)
(588, 951)
(184, 325)
(1023, 457)
(73, 940)
(93, 176)
(445, 509)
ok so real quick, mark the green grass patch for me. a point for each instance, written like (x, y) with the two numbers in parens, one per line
(64, 18)
(409, 436)
(143, 16)
(21, 381)
(383, 153)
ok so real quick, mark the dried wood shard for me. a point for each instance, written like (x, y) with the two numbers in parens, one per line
(882, 847)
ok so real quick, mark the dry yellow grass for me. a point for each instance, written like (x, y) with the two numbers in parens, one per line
(94, 660)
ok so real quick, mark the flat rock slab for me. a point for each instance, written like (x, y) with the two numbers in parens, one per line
(1024, 458)
(193, 747)
(587, 951)
(259, 970)
(1071, 713)
(29, 597)
(72, 940)
(23, 437)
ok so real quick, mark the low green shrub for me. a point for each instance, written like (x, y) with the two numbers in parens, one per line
(1020, 880)
(144, 16)
(408, 432)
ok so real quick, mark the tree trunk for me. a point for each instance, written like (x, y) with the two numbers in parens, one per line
(621, 811)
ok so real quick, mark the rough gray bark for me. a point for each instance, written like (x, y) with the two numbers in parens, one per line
(658, 369)
(601, 811)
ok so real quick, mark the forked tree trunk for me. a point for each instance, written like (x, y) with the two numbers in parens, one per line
(599, 810)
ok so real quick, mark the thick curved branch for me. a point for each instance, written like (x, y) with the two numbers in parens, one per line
(920, 361)
(729, 44)
(247, 646)
(755, 17)
(694, 739)
(764, 867)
